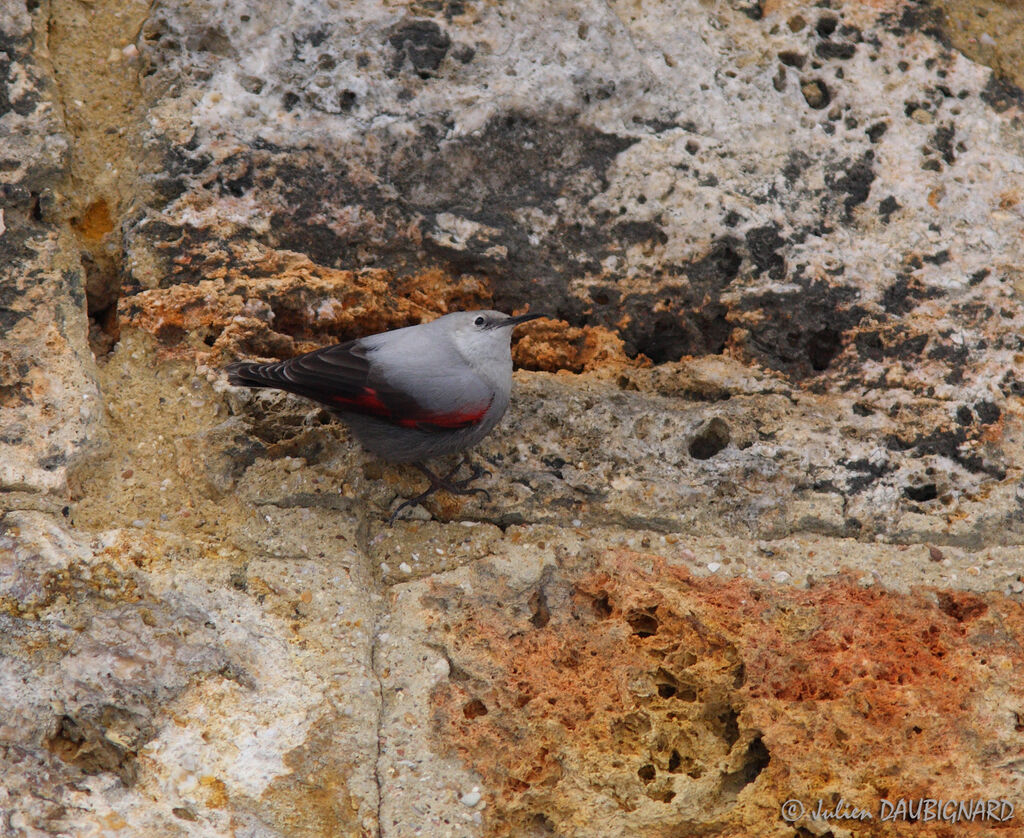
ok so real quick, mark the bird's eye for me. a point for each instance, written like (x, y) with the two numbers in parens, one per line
(479, 321)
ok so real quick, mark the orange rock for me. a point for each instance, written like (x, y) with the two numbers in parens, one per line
(282, 304)
(553, 345)
(95, 222)
(725, 698)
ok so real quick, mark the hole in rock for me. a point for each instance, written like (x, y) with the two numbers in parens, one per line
(474, 709)
(663, 338)
(729, 720)
(816, 94)
(755, 760)
(602, 607)
(923, 493)
(541, 826)
(83, 743)
(643, 623)
(710, 440)
(822, 348)
(541, 612)
(101, 264)
(962, 607)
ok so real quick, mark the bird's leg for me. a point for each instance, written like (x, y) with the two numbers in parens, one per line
(458, 487)
(476, 470)
(448, 477)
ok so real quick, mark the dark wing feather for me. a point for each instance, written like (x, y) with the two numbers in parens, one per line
(342, 378)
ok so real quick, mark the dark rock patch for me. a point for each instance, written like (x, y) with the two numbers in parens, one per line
(422, 43)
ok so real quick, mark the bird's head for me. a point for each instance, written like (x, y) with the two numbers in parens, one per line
(483, 337)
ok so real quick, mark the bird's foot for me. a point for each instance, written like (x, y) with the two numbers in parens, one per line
(416, 501)
(453, 487)
(458, 487)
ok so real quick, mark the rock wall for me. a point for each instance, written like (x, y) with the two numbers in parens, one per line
(755, 519)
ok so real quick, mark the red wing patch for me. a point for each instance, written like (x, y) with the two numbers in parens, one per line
(366, 402)
(445, 421)
(369, 402)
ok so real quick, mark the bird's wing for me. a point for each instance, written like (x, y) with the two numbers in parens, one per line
(345, 378)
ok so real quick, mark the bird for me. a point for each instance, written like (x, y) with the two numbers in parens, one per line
(411, 394)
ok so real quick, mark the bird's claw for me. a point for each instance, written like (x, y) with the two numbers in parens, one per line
(461, 487)
(416, 501)
(394, 515)
(457, 487)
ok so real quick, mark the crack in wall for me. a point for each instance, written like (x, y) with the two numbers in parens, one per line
(378, 768)
(89, 50)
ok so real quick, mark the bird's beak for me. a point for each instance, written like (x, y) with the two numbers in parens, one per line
(522, 318)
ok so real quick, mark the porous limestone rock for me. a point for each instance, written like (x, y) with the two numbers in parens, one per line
(754, 531)
(154, 689)
(51, 409)
(666, 183)
(593, 691)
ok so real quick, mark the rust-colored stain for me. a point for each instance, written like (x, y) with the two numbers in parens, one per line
(283, 304)
(279, 304)
(1008, 199)
(654, 700)
(216, 791)
(313, 799)
(552, 345)
(95, 222)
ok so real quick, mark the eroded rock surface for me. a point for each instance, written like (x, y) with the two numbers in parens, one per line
(231, 696)
(599, 692)
(51, 407)
(754, 528)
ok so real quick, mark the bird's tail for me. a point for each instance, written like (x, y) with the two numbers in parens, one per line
(249, 374)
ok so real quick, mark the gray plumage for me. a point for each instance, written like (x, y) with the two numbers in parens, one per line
(410, 394)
